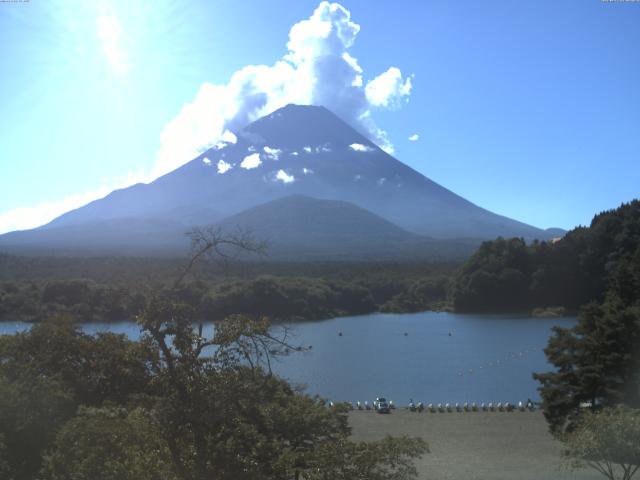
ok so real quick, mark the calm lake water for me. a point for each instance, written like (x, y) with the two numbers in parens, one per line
(487, 358)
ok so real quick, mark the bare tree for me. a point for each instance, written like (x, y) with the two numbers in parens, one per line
(213, 242)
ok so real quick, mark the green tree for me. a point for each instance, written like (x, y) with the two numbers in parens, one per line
(31, 412)
(5, 471)
(607, 441)
(387, 459)
(597, 364)
(109, 444)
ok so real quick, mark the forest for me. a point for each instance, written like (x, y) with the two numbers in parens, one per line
(116, 289)
(511, 275)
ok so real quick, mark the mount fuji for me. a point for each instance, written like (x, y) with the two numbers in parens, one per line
(300, 175)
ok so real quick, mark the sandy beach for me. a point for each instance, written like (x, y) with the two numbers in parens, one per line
(475, 445)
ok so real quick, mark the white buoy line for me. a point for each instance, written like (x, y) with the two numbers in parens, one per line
(419, 407)
(495, 363)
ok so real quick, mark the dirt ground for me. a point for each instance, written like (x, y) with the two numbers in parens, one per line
(475, 445)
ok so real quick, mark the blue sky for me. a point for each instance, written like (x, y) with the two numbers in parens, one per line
(530, 109)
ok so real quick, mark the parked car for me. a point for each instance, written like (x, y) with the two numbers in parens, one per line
(381, 405)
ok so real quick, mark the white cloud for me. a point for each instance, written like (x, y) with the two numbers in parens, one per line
(414, 137)
(307, 149)
(295, 154)
(251, 161)
(388, 90)
(381, 181)
(388, 148)
(224, 167)
(358, 147)
(284, 177)
(317, 69)
(226, 139)
(272, 153)
(307, 171)
(206, 161)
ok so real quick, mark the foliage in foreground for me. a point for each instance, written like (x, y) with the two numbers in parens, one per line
(597, 364)
(607, 441)
(195, 408)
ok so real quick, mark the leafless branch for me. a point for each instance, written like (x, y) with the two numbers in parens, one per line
(216, 243)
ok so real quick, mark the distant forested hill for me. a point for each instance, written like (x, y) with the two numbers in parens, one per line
(509, 275)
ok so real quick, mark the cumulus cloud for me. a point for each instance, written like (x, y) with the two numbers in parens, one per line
(414, 137)
(251, 161)
(317, 69)
(358, 147)
(284, 177)
(224, 167)
(389, 89)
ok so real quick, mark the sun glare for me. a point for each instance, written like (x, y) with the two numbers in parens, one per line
(109, 32)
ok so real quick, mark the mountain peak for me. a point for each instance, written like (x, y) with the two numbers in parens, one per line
(296, 126)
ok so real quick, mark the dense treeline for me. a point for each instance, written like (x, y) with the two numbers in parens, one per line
(509, 275)
(597, 362)
(301, 291)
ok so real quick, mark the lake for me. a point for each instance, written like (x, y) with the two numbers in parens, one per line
(444, 357)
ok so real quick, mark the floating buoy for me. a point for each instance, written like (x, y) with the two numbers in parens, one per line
(406, 334)
(339, 334)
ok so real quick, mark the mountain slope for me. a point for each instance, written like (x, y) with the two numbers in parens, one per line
(300, 227)
(303, 150)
